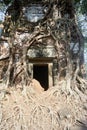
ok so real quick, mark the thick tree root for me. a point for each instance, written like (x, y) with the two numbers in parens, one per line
(33, 109)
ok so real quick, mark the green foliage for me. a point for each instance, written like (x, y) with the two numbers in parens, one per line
(2, 6)
(77, 1)
(13, 8)
(82, 5)
(7, 2)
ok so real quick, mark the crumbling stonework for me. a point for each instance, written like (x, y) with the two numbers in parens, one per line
(42, 32)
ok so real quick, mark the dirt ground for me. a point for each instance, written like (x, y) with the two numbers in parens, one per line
(32, 108)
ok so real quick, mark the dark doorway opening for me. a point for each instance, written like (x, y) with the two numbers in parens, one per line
(40, 73)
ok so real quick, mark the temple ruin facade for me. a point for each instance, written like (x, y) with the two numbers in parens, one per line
(40, 35)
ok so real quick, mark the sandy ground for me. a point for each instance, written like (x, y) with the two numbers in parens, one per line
(32, 108)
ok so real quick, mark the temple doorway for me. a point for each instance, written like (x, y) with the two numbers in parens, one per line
(40, 73)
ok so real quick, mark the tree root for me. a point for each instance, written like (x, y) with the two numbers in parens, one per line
(50, 109)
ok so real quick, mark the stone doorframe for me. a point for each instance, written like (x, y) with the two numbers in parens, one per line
(42, 61)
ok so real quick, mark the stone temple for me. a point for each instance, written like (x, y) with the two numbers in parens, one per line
(43, 27)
